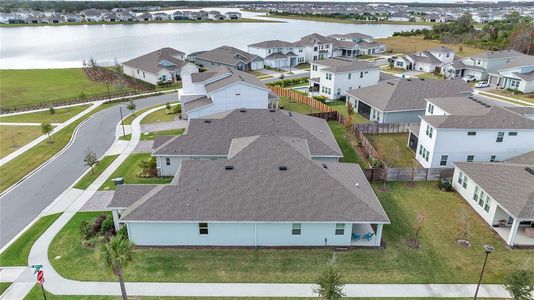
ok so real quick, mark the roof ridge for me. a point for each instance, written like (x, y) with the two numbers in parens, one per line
(142, 200)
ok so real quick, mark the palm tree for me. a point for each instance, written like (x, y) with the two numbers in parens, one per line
(330, 284)
(117, 253)
(131, 107)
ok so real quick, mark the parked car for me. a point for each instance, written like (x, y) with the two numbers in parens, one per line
(469, 78)
(482, 84)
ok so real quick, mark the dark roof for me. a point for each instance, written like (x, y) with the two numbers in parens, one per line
(408, 94)
(424, 57)
(472, 105)
(311, 39)
(341, 64)
(151, 62)
(275, 44)
(227, 55)
(257, 190)
(126, 195)
(497, 54)
(215, 137)
(222, 76)
(197, 103)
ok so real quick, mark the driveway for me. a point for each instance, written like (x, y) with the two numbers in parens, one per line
(26, 201)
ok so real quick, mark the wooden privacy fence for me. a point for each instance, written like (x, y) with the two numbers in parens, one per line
(376, 128)
(407, 174)
(298, 97)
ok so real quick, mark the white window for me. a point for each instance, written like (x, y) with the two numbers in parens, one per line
(472, 133)
(340, 229)
(429, 130)
(481, 198)
(361, 74)
(493, 158)
(167, 161)
(487, 204)
(296, 229)
(314, 67)
(328, 76)
(430, 108)
(465, 182)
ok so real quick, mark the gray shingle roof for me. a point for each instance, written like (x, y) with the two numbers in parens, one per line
(309, 40)
(497, 54)
(197, 103)
(519, 61)
(126, 194)
(214, 138)
(526, 158)
(228, 55)
(275, 44)
(339, 64)
(510, 184)
(231, 76)
(407, 94)
(424, 57)
(471, 105)
(441, 49)
(256, 190)
(495, 118)
(353, 35)
(150, 62)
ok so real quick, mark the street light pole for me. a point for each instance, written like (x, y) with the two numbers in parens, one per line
(122, 122)
(487, 249)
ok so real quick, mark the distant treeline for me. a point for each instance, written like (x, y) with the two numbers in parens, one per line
(74, 6)
(513, 32)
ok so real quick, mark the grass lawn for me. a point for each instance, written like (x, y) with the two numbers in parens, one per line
(258, 73)
(291, 105)
(14, 137)
(347, 145)
(393, 148)
(341, 107)
(440, 259)
(46, 85)
(150, 136)
(410, 44)
(17, 168)
(524, 97)
(161, 115)
(17, 253)
(389, 69)
(61, 115)
(86, 180)
(4, 286)
(174, 86)
(430, 76)
(303, 66)
(129, 119)
(129, 170)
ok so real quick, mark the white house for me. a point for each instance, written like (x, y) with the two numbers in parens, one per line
(231, 57)
(279, 54)
(333, 76)
(501, 194)
(161, 66)
(402, 101)
(210, 137)
(426, 61)
(222, 89)
(465, 129)
(267, 193)
(517, 74)
(479, 64)
(355, 44)
(317, 46)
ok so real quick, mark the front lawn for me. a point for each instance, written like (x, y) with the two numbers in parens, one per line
(90, 177)
(150, 136)
(47, 85)
(394, 150)
(290, 105)
(348, 144)
(17, 253)
(430, 76)
(61, 115)
(440, 259)
(529, 97)
(129, 171)
(341, 107)
(161, 115)
(14, 137)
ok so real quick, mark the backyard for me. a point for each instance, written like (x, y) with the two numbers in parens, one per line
(348, 144)
(60, 115)
(439, 260)
(14, 137)
(129, 171)
(394, 150)
(341, 107)
(290, 105)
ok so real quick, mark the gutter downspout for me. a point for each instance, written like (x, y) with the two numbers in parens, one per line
(255, 237)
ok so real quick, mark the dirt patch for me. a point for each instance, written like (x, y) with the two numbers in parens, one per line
(410, 185)
(463, 243)
(104, 75)
(413, 244)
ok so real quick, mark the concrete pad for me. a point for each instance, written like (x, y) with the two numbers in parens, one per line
(176, 124)
(117, 148)
(98, 201)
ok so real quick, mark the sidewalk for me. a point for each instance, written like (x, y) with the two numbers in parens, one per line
(500, 97)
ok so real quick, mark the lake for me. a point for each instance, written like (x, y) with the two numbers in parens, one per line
(31, 47)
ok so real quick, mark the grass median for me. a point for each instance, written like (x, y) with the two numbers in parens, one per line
(439, 260)
(90, 177)
(17, 253)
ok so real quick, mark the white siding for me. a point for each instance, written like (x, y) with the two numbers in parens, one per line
(140, 74)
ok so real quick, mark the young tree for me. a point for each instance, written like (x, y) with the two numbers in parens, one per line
(520, 284)
(464, 225)
(350, 111)
(117, 254)
(131, 107)
(418, 226)
(51, 109)
(47, 128)
(90, 160)
(330, 284)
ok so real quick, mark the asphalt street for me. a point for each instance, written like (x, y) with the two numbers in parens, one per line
(26, 201)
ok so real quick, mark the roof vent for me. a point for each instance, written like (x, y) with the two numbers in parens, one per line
(272, 110)
(229, 167)
(422, 79)
(325, 166)
(530, 170)
(357, 184)
(243, 110)
(207, 121)
(282, 168)
(408, 79)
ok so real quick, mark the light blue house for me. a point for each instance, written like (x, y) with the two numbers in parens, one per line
(269, 192)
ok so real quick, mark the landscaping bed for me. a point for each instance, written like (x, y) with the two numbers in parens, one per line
(439, 260)
(60, 115)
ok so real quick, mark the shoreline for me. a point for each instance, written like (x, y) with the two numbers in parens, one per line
(347, 21)
(243, 20)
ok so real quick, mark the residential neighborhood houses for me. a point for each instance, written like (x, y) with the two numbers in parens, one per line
(428, 61)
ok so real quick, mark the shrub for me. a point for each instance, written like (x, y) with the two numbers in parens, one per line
(520, 284)
(375, 162)
(123, 231)
(107, 226)
(289, 82)
(320, 98)
(148, 168)
(85, 230)
(97, 224)
(51, 110)
(177, 109)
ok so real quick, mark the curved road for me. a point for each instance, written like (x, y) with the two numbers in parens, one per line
(26, 201)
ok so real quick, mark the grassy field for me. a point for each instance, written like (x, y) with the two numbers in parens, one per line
(161, 115)
(46, 85)
(150, 136)
(4, 286)
(129, 170)
(14, 137)
(347, 145)
(61, 115)
(17, 168)
(341, 107)
(401, 44)
(346, 21)
(439, 260)
(90, 177)
(289, 105)
(394, 149)
(524, 97)
(17, 253)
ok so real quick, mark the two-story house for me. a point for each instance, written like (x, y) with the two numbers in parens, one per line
(333, 76)
(355, 44)
(317, 46)
(222, 89)
(479, 64)
(465, 129)
(426, 61)
(517, 74)
(279, 54)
